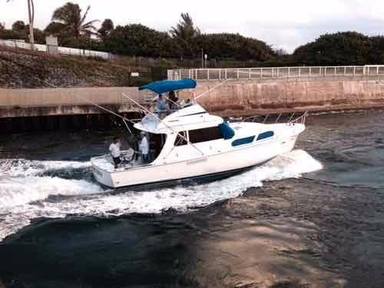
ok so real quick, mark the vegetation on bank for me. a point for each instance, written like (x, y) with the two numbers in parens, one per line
(33, 69)
(185, 43)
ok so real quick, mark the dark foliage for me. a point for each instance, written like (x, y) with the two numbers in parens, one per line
(21, 31)
(343, 48)
(233, 46)
(106, 28)
(139, 40)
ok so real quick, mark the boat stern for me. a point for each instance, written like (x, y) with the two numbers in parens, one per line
(102, 174)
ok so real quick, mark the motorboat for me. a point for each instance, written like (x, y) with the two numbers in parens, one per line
(190, 144)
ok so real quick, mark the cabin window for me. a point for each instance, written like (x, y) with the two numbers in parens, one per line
(206, 134)
(243, 141)
(181, 139)
(265, 135)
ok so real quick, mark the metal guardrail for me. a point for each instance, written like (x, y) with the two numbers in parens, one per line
(277, 117)
(276, 72)
(61, 50)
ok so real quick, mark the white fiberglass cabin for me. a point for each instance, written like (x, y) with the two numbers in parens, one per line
(190, 144)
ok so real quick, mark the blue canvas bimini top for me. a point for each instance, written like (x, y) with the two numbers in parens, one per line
(161, 87)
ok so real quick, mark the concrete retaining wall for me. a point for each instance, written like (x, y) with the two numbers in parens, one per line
(64, 101)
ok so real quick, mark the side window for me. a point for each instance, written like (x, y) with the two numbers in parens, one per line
(181, 139)
(265, 135)
(206, 134)
(243, 141)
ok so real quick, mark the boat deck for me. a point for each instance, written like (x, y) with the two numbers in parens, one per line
(105, 162)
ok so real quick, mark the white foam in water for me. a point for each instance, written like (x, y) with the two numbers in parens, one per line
(19, 191)
(17, 209)
(21, 167)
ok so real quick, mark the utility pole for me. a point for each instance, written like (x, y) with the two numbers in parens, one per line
(202, 58)
(31, 14)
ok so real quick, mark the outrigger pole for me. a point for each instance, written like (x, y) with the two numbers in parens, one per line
(110, 111)
(213, 88)
(98, 106)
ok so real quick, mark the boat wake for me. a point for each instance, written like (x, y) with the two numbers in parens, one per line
(52, 189)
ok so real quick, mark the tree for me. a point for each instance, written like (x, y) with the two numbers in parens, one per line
(2, 26)
(376, 56)
(139, 40)
(342, 48)
(18, 26)
(184, 33)
(75, 24)
(106, 28)
(233, 46)
(54, 28)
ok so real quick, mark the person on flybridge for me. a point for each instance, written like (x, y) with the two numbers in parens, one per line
(161, 106)
(144, 148)
(114, 149)
(172, 101)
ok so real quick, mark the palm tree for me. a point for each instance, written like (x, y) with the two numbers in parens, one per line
(106, 28)
(73, 22)
(184, 32)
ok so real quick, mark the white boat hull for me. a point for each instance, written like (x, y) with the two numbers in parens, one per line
(219, 163)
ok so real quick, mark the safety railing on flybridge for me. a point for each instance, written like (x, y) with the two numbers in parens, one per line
(276, 118)
(207, 74)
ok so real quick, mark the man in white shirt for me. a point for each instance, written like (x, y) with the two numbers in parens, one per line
(114, 149)
(144, 148)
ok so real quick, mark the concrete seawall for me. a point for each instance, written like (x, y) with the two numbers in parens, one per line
(253, 97)
(65, 101)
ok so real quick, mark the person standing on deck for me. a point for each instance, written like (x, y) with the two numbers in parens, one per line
(172, 101)
(114, 149)
(144, 148)
(161, 106)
